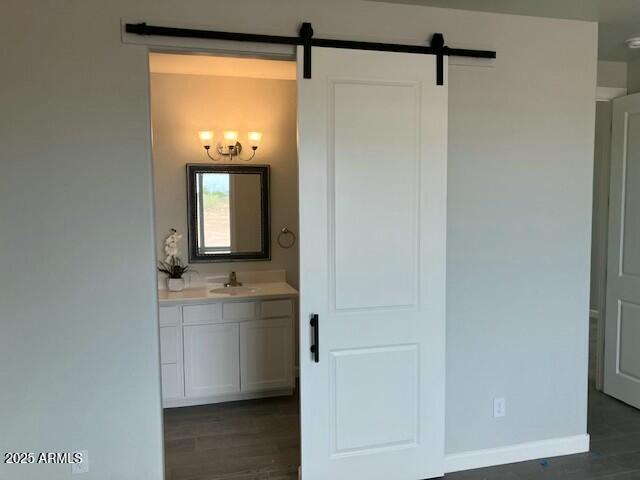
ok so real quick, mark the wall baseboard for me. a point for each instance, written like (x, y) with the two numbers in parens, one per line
(232, 397)
(555, 447)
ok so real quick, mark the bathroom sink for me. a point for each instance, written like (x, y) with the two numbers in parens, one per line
(232, 291)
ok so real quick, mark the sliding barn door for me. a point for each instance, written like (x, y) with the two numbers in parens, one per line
(373, 162)
(622, 327)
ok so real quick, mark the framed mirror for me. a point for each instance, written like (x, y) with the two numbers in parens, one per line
(228, 211)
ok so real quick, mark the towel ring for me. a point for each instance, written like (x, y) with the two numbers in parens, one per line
(284, 233)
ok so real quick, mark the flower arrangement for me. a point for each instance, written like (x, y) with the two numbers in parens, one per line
(172, 265)
(174, 268)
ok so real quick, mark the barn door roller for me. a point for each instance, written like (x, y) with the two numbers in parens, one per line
(306, 39)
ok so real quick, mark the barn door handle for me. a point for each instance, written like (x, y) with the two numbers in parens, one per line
(315, 342)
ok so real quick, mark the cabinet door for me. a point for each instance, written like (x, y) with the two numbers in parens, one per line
(168, 345)
(171, 381)
(266, 354)
(171, 363)
(211, 359)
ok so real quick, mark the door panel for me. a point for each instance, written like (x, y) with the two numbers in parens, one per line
(357, 399)
(384, 205)
(631, 200)
(622, 322)
(372, 153)
(629, 335)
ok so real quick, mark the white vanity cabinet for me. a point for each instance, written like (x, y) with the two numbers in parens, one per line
(226, 350)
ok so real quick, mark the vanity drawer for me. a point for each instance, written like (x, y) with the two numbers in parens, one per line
(209, 313)
(276, 308)
(239, 311)
(168, 345)
(168, 316)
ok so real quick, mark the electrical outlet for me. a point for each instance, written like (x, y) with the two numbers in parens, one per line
(499, 407)
(83, 466)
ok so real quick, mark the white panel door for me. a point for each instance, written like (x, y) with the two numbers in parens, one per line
(266, 351)
(372, 153)
(211, 359)
(622, 329)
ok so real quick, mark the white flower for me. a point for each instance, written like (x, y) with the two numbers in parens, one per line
(171, 245)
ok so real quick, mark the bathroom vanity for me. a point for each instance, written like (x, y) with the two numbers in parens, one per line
(227, 343)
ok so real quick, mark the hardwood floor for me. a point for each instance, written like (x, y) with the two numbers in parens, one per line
(259, 440)
(249, 440)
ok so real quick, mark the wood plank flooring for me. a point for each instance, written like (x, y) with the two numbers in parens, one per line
(259, 440)
(248, 440)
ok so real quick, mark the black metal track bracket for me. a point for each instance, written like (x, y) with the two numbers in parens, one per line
(437, 41)
(306, 33)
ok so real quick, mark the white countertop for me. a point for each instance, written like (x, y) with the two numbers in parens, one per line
(204, 294)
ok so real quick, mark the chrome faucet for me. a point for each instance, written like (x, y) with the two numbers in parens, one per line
(233, 281)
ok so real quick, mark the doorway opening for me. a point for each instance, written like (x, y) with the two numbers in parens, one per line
(224, 138)
(614, 369)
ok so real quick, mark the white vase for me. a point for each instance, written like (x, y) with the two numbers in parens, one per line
(175, 284)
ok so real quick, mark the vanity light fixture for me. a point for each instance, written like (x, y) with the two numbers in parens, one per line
(230, 147)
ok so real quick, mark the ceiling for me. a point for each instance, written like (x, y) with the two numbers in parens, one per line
(221, 66)
(618, 19)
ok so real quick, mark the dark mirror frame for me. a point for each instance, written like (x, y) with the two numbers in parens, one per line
(194, 256)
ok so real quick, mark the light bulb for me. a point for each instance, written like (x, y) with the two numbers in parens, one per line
(254, 138)
(230, 137)
(206, 137)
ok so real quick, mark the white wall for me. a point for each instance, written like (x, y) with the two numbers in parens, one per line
(612, 74)
(183, 104)
(78, 339)
(78, 318)
(519, 213)
(633, 77)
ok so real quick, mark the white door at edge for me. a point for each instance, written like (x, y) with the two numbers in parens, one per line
(622, 322)
(373, 163)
